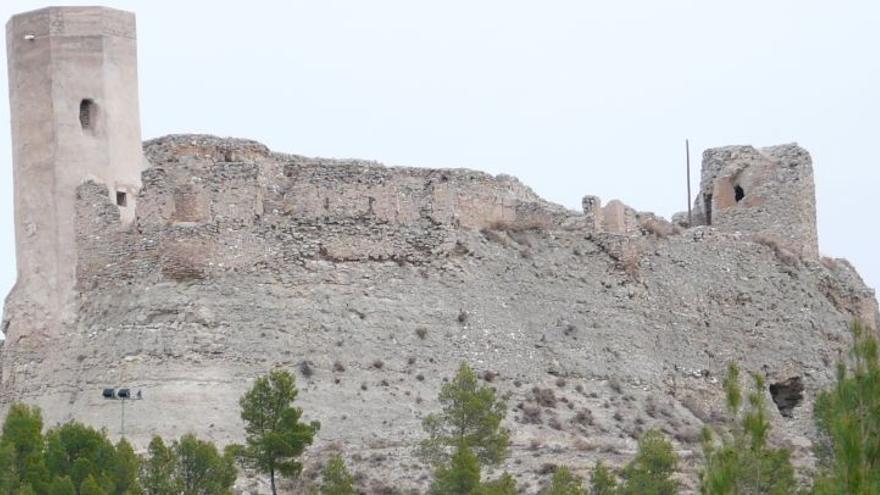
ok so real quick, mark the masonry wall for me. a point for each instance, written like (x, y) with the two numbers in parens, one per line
(210, 205)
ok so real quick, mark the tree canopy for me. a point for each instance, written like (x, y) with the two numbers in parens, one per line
(275, 436)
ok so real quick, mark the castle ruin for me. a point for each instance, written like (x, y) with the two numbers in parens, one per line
(187, 265)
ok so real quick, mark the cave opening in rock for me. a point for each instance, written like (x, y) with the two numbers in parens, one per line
(787, 395)
(121, 198)
(738, 193)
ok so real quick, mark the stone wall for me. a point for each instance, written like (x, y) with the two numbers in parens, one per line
(215, 205)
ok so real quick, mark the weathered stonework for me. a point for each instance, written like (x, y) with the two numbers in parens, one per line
(74, 105)
(229, 259)
(765, 192)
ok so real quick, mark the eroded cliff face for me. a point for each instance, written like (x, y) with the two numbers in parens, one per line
(373, 283)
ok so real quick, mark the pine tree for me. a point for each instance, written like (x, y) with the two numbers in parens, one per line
(460, 477)
(744, 464)
(201, 469)
(78, 451)
(564, 483)
(275, 435)
(91, 487)
(61, 485)
(126, 466)
(158, 468)
(471, 416)
(22, 448)
(849, 418)
(505, 485)
(602, 481)
(650, 472)
(336, 480)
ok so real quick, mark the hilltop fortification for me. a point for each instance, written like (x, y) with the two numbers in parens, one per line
(189, 266)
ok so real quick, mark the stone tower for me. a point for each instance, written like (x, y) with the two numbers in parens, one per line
(74, 103)
(766, 192)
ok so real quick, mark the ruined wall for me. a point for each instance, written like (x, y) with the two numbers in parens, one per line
(240, 259)
(211, 205)
(767, 192)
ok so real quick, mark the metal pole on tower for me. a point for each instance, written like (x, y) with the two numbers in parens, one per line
(687, 154)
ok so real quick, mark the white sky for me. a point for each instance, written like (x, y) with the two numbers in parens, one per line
(573, 97)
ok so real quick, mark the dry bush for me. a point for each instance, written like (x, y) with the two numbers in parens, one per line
(546, 468)
(544, 397)
(531, 414)
(422, 332)
(582, 445)
(584, 418)
(782, 253)
(614, 384)
(688, 434)
(494, 236)
(692, 405)
(659, 227)
(305, 368)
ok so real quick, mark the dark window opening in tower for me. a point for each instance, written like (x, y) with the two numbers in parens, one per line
(121, 198)
(708, 207)
(738, 193)
(87, 114)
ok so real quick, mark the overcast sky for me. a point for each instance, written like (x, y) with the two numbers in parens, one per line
(573, 97)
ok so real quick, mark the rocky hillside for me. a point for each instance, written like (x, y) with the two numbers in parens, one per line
(373, 283)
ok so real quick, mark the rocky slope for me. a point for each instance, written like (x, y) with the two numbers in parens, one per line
(373, 283)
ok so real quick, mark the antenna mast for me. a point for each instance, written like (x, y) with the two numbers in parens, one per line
(687, 154)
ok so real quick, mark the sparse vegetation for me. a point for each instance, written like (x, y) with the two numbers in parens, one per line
(76, 459)
(743, 462)
(849, 418)
(275, 436)
(564, 483)
(336, 480)
(471, 416)
(466, 436)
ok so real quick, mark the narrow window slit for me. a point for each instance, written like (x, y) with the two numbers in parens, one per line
(707, 205)
(87, 114)
(121, 198)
